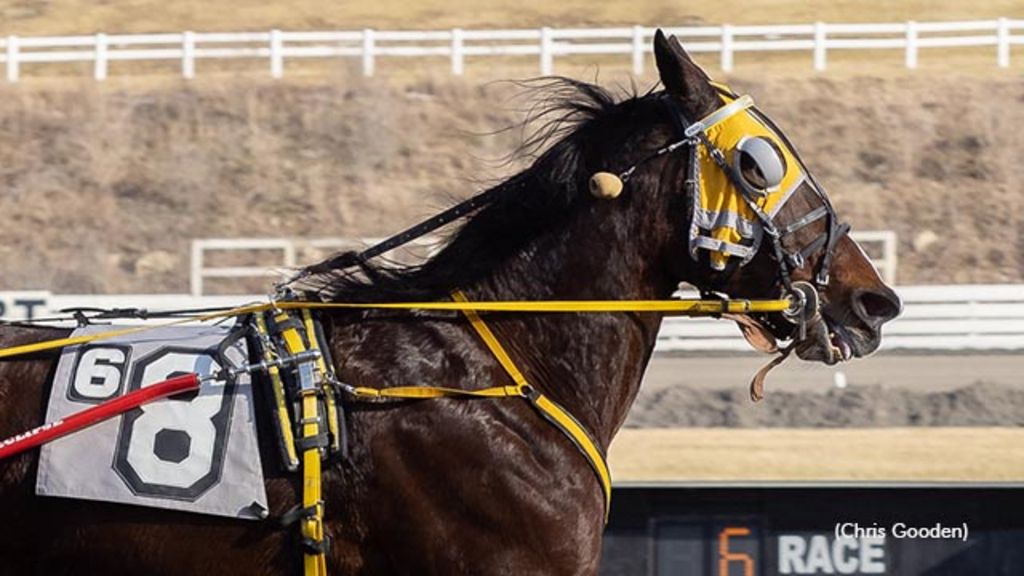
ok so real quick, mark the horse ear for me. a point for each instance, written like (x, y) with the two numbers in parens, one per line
(682, 76)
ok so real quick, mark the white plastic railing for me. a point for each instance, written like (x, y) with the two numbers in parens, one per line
(257, 249)
(881, 248)
(963, 317)
(251, 249)
(276, 47)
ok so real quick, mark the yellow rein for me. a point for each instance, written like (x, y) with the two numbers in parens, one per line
(671, 307)
(315, 563)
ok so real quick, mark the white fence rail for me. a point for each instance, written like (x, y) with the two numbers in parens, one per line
(880, 244)
(939, 318)
(276, 47)
(935, 318)
(253, 249)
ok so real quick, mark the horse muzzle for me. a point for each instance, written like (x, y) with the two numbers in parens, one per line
(841, 332)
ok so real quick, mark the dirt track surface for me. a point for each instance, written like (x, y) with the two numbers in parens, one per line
(886, 390)
(795, 455)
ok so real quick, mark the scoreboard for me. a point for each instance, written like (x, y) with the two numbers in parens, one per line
(659, 530)
(742, 547)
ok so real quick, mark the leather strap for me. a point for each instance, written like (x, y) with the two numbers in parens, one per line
(674, 307)
(549, 409)
(313, 436)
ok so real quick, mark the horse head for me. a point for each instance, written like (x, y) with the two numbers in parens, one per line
(756, 224)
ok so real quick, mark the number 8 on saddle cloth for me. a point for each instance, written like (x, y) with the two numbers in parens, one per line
(196, 452)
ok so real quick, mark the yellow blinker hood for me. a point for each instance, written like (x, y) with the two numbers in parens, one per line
(723, 224)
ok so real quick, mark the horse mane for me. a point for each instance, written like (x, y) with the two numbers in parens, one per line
(575, 121)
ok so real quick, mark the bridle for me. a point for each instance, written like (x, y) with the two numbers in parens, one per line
(806, 296)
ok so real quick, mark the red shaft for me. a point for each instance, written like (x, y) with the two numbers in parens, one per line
(85, 418)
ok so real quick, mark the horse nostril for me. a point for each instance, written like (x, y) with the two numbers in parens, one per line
(877, 306)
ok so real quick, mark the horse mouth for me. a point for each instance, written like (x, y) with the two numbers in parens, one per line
(840, 347)
(831, 342)
(828, 340)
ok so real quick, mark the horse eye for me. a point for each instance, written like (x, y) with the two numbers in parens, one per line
(761, 162)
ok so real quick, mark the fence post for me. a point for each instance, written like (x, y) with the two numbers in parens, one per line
(911, 59)
(889, 252)
(726, 48)
(1003, 43)
(547, 56)
(819, 46)
(638, 50)
(276, 55)
(12, 58)
(458, 60)
(188, 54)
(100, 53)
(289, 254)
(196, 277)
(368, 46)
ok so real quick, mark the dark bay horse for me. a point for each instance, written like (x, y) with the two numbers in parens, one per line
(474, 486)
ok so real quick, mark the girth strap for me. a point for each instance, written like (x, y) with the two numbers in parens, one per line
(549, 409)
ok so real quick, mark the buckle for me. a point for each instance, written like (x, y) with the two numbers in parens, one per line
(311, 547)
(805, 303)
(298, 512)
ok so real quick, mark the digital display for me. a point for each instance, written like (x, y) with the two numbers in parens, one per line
(725, 531)
(742, 547)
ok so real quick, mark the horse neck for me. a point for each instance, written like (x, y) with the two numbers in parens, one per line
(592, 364)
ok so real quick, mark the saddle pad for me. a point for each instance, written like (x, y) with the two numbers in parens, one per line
(196, 453)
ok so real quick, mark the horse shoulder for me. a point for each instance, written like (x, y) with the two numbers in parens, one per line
(452, 464)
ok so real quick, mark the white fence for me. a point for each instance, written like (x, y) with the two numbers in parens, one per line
(941, 318)
(256, 249)
(880, 244)
(935, 318)
(275, 47)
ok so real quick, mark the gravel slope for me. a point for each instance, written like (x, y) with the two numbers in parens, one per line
(102, 187)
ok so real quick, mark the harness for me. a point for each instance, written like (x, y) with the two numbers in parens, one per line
(306, 396)
(305, 412)
(305, 400)
(289, 349)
